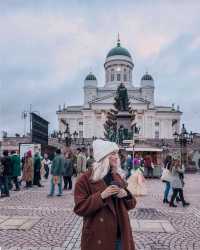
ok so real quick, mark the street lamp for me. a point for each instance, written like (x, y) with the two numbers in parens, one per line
(183, 139)
(75, 136)
(135, 133)
(59, 136)
(67, 136)
(165, 147)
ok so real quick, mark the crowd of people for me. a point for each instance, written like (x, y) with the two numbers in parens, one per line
(16, 173)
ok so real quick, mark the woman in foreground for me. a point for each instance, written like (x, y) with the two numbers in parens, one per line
(103, 201)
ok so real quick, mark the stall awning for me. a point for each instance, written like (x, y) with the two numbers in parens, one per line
(145, 149)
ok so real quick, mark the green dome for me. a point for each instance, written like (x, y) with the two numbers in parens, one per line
(91, 77)
(118, 51)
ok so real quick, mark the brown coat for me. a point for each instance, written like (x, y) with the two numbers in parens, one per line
(99, 217)
(28, 170)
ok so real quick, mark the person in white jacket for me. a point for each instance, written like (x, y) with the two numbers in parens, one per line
(46, 165)
(177, 183)
(166, 177)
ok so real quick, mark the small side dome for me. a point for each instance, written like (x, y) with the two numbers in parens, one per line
(147, 80)
(147, 77)
(90, 77)
(90, 81)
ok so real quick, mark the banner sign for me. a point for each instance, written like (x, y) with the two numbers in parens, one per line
(39, 129)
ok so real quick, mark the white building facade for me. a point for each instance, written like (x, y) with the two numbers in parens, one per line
(88, 120)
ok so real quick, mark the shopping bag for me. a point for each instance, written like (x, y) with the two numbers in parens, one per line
(166, 175)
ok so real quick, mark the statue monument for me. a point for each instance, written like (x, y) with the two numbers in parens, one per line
(118, 126)
(121, 99)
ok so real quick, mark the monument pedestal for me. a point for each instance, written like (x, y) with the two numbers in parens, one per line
(124, 124)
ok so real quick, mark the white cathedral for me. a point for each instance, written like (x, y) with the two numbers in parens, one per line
(87, 121)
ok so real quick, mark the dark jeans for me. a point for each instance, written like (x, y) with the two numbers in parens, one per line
(37, 178)
(16, 182)
(10, 184)
(118, 245)
(46, 172)
(67, 180)
(150, 172)
(167, 189)
(28, 183)
(4, 185)
(177, 191)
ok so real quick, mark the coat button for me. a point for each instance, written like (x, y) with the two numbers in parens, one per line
(101, 219)
(99, 242)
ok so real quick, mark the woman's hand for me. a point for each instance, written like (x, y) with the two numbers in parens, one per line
(122, 193)
(109, 191)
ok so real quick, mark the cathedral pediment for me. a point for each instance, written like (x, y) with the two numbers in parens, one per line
(110, 99)
(135, 100)
(104, 99)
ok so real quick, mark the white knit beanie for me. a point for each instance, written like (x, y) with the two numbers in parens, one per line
(103, 148)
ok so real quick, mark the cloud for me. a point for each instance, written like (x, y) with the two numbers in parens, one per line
(195, 43)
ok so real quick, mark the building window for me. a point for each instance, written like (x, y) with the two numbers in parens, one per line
(130, 75)
(118, 77)
(80, 123)
(112, 75)
(157, 124)
(107, 76)
(125, 78)
(80, 134)
(156, 134)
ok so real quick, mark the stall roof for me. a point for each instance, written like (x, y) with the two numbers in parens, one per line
(145, 149)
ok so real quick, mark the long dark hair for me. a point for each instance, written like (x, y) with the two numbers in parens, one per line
(168, 162)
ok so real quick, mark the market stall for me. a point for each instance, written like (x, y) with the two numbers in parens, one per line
(156, 156)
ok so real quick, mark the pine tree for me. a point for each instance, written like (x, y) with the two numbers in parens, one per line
(110, 125)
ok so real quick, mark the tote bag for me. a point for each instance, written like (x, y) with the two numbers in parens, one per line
(166, 175)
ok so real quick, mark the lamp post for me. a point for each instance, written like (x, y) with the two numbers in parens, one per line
(59, 135)
(165, 147)
(67, 136)
(75, 136)
(135, 131)
(183, 139)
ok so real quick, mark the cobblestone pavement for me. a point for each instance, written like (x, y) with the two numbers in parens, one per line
(31, 221)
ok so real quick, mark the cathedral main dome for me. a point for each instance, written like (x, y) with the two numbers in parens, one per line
(118, 51)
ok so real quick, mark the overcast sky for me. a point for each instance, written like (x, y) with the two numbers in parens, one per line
(48, 47)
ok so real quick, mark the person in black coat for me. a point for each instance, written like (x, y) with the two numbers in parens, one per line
(68, 171)
(37, 167)
(7, 170)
